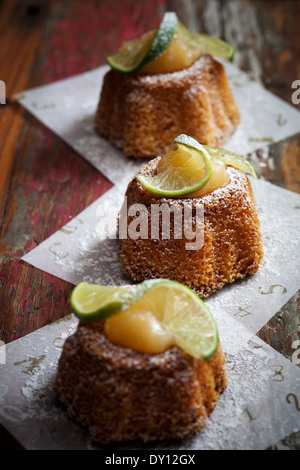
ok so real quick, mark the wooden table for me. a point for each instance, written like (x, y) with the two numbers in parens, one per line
(44, 183)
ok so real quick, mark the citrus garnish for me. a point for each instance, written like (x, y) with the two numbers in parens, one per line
(168, 314)
(149, 317)
(193, 169)
(136, 54)
(168, 48)
(231, 159)
(207, 44)
(92, 302)
(180, 172)
(185, 48)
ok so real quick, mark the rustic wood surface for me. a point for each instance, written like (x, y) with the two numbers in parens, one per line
(44, 183)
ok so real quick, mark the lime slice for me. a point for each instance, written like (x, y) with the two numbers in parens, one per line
(136, 54)
(187, 170)
(232, 159)
(183, 314)
(207, 44)
(179, 310)
(92, 302)
(189, 320)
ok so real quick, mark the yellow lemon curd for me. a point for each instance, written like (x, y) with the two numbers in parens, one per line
(138, 330)
(140, 327)
(219, 179)
(179, 55)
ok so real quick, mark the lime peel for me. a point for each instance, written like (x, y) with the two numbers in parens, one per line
(161, 40)
(231, 159)
(93, 302)
(209, 44)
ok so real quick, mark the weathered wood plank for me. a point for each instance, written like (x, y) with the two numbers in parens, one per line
(280, 163)
(265, 34)
(17, 52)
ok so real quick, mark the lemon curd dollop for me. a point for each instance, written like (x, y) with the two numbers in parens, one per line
(139, 330)
(140, 327)
(219, 179)
(180, 54)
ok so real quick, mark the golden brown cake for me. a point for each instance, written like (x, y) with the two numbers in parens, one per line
(232, 245)
(142, 114)
(120, 394)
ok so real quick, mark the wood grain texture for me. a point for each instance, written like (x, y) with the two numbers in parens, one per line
(44, 183)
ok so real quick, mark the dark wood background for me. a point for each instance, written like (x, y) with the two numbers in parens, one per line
(44, 183)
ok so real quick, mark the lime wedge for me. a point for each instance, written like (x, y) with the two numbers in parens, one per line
(136, 54)
(207, 44)
(92, 302)
(232, 159)
(181, 313)
(180, 172)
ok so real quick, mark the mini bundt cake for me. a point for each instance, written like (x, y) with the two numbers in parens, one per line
(232, 244)
(142, 113)
(120, 394)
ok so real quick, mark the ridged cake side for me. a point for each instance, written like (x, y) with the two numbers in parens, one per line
(232, 245)
(142, 114)
(121, 395)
